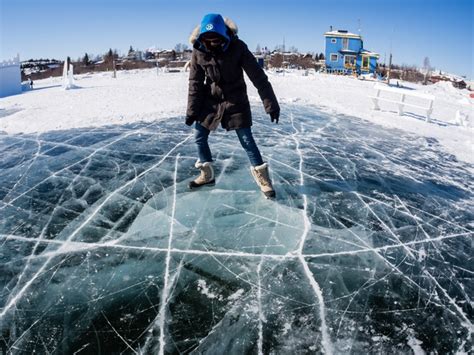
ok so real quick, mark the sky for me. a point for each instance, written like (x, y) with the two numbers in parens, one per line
(441, 30)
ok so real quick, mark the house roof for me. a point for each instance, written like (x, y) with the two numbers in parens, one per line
(342, 34)
(369, 53)
(348, 51)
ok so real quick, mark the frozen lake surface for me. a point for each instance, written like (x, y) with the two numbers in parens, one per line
(367, 248)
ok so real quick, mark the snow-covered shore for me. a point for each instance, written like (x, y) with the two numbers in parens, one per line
(143, 95)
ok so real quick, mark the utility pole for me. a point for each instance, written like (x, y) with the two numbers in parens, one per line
(283, 54)
(389, 68)
(390, 57)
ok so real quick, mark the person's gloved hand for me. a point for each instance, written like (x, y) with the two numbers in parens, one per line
(275, 116)
(190, 120)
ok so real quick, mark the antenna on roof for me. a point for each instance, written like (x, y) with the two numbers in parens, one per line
(330, 28)
(359, 26)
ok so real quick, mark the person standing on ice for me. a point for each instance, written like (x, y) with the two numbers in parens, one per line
(218, 95)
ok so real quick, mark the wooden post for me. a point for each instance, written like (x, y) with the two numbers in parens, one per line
(376, 100)
(389, 68)
(400, 105)
(429, 111)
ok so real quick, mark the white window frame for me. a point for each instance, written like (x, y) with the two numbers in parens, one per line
(345, 43)
(333, 40)
(347, 56)
(337, 57)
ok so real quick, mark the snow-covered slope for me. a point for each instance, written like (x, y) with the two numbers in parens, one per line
(145, 95)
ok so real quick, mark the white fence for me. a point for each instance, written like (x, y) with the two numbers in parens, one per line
(399, 97)
(10, 77)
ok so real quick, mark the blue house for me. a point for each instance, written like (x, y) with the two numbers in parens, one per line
(345, 54)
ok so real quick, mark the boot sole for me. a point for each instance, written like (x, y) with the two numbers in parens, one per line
(270, 195)
(193, 185)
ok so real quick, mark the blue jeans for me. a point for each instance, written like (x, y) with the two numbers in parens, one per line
(245, 138)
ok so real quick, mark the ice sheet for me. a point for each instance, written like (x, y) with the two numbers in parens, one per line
(367, 247)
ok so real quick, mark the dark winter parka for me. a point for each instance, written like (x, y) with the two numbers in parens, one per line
(217, 89)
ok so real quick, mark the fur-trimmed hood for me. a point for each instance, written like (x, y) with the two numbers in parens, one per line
(232, 30)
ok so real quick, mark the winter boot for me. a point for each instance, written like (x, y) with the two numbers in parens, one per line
(260, 174)
(206, 177)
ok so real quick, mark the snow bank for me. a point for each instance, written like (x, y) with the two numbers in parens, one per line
(145, 95)
(99, 100)
(350, 96)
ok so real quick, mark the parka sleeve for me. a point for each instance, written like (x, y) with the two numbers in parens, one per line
(195, 91)
(260, 80)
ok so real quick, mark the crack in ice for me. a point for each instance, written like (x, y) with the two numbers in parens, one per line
(20, 293)
(326, 339)
(164, 296)
(340, 234)
(9, 203)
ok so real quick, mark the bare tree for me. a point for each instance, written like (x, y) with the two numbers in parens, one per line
(180, 47)
(85, 60)
(293, 49)
(276, 60)
(109, 56)
(426, 63)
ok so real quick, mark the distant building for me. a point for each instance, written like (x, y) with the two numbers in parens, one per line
(345, 54)
(187, 54)
(134, 56)
(10, 77)
(168, 54)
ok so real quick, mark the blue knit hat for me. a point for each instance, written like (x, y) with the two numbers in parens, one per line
(214, 23)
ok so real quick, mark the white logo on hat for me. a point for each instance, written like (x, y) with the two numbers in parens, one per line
(209, 27)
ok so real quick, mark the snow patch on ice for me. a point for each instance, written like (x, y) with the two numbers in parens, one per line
(415, 344)
(206, 291)
(422, 254)
(286, 328)
(236, 295)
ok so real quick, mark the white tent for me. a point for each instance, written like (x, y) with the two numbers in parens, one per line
(10, 77)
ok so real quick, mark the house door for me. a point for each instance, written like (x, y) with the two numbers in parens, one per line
(365, 63)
